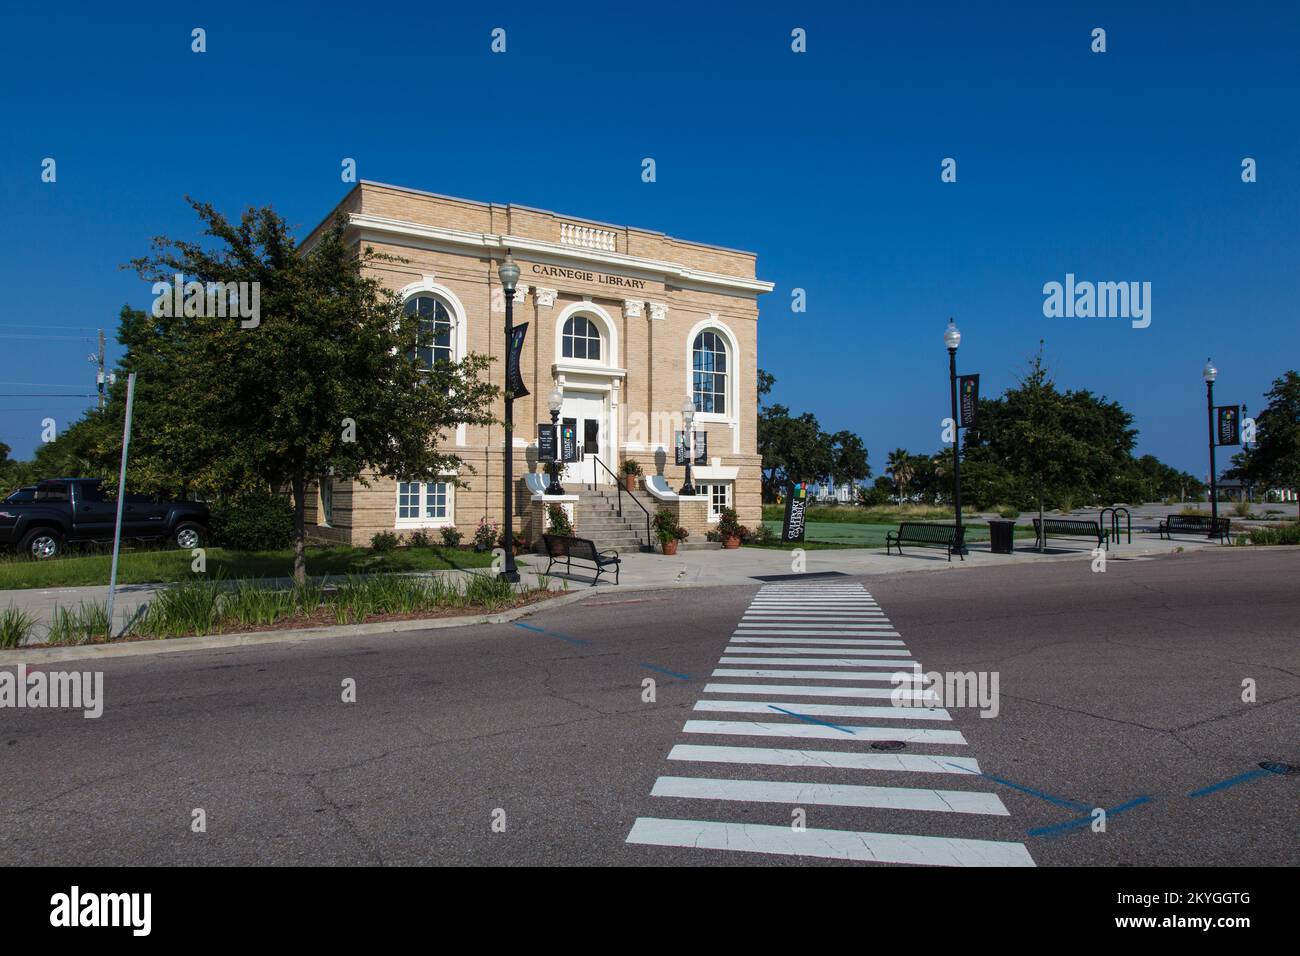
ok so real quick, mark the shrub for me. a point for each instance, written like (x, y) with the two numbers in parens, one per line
(1275, 534)
(1010, 514)
(763, 534)
(418, 539)
(486, 535)
(665, 525)
(451, 537)
(558, 521)
(729, 525)
(16, 626)
(1241, 509)
(383, 542)
(80, 625)
(253, 522)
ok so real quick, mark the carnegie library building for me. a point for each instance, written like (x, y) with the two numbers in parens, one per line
(626, 326)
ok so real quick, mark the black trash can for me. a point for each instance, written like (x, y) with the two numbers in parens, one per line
(1002, 536)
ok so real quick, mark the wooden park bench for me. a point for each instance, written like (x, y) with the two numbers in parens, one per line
(559, 547)
(1194, 524)
(1056, 527)
(925, 533)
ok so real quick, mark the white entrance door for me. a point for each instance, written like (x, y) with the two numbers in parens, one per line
(586, 412)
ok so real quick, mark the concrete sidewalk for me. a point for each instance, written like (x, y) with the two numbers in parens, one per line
(703, 568)
(744, 565)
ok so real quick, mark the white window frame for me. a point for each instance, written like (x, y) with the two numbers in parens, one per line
(605, 326)
(732, 415)
(448, 519)
(709, 487)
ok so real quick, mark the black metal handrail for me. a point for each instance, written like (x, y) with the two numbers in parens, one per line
(619, 485)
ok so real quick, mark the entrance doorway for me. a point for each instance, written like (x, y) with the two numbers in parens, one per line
(585, 411)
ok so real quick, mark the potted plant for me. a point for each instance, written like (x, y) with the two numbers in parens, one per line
(730, 529)
(558, 522)
(631, 472)
(668, 531)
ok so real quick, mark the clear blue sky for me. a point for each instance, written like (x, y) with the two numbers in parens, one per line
(1115, 166)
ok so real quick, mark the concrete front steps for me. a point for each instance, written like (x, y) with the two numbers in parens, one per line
(598, 517)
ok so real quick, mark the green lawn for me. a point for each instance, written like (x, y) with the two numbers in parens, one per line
(872, 535)
(149, 567)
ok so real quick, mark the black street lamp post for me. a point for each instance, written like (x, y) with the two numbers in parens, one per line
(508, 272)
(952, 339)
(555, 404)
(688, 419)
(1210, 373)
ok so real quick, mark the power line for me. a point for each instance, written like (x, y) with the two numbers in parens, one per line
(70, 338)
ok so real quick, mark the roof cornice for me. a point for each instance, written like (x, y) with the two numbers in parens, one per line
(491, 243)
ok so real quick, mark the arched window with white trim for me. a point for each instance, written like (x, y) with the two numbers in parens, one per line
(435, 330)
(581, 339)
(710, 368)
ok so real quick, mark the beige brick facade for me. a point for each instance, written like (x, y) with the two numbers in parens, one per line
(648, 297)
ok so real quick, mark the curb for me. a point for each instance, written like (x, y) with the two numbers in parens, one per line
(45, 655)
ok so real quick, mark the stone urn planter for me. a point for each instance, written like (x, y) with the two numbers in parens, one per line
(731, 542)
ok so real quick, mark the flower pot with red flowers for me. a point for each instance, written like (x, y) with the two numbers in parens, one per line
(631, 472)
(730, 529)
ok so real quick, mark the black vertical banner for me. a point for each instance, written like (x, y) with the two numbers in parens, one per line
(968, 399)
(796, 503)
(546, 442)
(515, 381)
(1229, 425)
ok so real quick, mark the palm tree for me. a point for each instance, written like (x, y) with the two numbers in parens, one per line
(900, 469)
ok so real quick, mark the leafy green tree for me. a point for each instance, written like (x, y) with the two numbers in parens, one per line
(848, 458)
(1041, 450)
(324, 384)
(1275, 459)
(792, 449)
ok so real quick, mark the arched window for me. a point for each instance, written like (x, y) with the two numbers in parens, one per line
(581, 339)
(434, 334)
(709, 373)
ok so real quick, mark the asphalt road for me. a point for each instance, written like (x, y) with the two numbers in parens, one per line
(1113, 687)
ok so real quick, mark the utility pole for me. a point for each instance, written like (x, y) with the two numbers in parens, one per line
(98, 359)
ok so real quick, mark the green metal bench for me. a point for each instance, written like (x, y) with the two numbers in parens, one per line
(1194, 524)
(1078, 527)
(559, 547)
(947, 536)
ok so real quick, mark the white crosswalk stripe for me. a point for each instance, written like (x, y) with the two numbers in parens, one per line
(797, 649)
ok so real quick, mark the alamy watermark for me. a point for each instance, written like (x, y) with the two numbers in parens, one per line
(952, 689)
(1100, 300)
(83, 690)
(209, 300)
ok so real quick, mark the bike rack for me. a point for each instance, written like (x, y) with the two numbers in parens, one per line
(1114, 522)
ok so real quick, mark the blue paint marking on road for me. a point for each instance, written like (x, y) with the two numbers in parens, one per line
(1230, 782)
(542, 630)
(811, 720)
(664, 670)
(1059, 801)
(1059, 828)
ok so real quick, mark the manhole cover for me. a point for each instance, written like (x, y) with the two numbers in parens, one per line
(1286, 768)
(888, 745)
